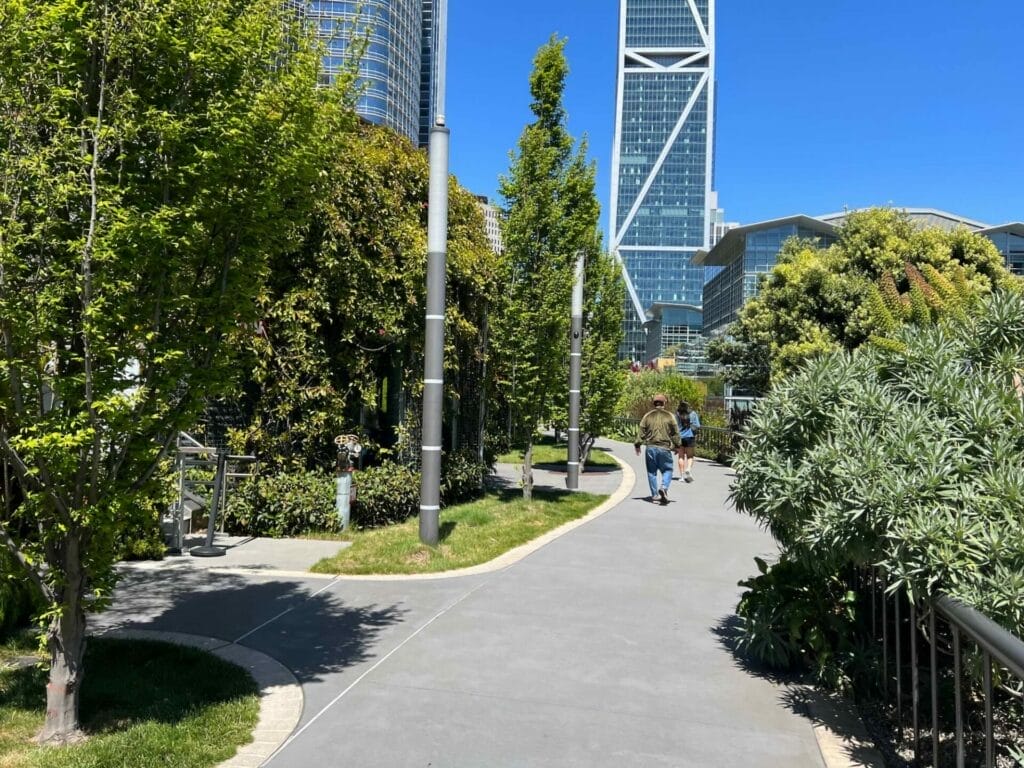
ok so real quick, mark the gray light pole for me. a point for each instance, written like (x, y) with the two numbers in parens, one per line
(437, 253)
(572, 477)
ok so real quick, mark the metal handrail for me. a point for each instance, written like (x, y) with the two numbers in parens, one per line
(1005, 647)
(995, 644)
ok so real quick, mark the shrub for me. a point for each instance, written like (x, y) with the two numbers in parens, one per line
(282, 505)
(139, 537)
(462, 477)
(641, 387)
(389, 493)
(296, 503)
(907, 455)
(18, 600)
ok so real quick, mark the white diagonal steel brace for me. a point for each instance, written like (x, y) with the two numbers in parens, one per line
(669, 143)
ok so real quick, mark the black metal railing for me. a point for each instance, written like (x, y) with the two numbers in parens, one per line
(718, 443)
(941, 624)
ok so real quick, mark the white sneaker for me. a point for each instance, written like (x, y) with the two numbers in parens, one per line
(688, 476)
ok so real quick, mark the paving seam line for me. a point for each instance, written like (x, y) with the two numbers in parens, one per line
(280, 694)
(380, 661)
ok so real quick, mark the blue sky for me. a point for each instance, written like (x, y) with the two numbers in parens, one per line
(821, 103)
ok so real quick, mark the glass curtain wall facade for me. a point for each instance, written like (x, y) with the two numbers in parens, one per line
(400, 46)
(1011, 245)
(740, 279)
(662, 158)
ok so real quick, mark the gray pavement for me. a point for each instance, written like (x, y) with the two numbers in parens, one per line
(609, 646)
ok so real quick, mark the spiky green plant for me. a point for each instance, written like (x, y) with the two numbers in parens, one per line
(909, 456)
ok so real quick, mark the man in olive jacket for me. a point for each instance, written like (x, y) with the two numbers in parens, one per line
(660, 432)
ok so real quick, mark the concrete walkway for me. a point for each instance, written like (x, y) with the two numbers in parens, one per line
(609, 646)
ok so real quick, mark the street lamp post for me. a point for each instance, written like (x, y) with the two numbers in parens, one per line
(572, 476)
(437, 253)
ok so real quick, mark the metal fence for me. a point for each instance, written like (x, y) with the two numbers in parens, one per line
(718, 443)
(961, 704)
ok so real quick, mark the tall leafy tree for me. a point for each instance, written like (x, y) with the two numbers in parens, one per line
(152, 156)
(343, 313)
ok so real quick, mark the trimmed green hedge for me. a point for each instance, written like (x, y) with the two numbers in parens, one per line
(300, 502)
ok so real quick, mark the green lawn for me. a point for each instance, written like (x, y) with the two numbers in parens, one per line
(471, 534)
(143, 705)
(548, 452)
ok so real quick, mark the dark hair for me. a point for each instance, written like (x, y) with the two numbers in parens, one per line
(683, 407)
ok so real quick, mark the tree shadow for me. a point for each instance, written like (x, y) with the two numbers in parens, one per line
(313, 633)
(802, 698)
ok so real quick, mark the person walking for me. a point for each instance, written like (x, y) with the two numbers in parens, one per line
(660, 433)
(689, 423)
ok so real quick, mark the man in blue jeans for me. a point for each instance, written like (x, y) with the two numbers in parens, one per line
(660, 432)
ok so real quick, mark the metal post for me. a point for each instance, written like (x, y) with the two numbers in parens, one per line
(208, 549)
(915, 687)
(433, 353)
(899, 675)
(934, 664)
(572, 477)
(986, 676)
(957, 675)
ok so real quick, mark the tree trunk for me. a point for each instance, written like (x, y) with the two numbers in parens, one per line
(528, 470)
(66, 643)
(586, 443)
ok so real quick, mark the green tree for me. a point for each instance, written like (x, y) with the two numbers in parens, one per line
(343, 314)
(152, 157)
(602, 376)
(551, 217)
(817, 300)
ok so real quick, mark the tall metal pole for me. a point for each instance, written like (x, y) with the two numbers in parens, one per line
(437, 253)
(572, 477)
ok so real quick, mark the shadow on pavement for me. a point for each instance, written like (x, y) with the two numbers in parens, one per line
(313, 633)
(820, 707)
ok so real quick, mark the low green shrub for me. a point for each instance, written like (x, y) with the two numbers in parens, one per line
(792, 618)
(139, 537)
(462, 477)
(389, 493)
(18, 601)
(282, 505)
(641, 387)
(299, 502)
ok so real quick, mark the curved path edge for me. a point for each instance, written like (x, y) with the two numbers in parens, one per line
(280, 693)
(518, 553)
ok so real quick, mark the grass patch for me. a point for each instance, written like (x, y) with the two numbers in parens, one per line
(19, 646)
(547, 451)
(471, 534)
(144, 704)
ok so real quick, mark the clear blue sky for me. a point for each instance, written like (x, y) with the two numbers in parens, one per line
(821, 103)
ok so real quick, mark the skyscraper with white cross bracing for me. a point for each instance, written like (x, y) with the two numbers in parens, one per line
(662, 166)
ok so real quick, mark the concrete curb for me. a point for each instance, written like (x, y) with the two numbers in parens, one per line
(280, 693)
(839, 731)
(517, 554)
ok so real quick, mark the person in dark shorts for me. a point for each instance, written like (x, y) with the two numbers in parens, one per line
(689, 423)
(659, 431)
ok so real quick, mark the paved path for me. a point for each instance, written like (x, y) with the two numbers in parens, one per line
(606, 647)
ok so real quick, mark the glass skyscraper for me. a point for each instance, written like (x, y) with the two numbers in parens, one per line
(397, 71)
(662, 165)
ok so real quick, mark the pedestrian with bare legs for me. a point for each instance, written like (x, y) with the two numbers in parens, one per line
(689, 423)
(660, 433)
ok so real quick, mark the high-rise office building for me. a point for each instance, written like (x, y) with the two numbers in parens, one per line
(397, 70)
(662, 166)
